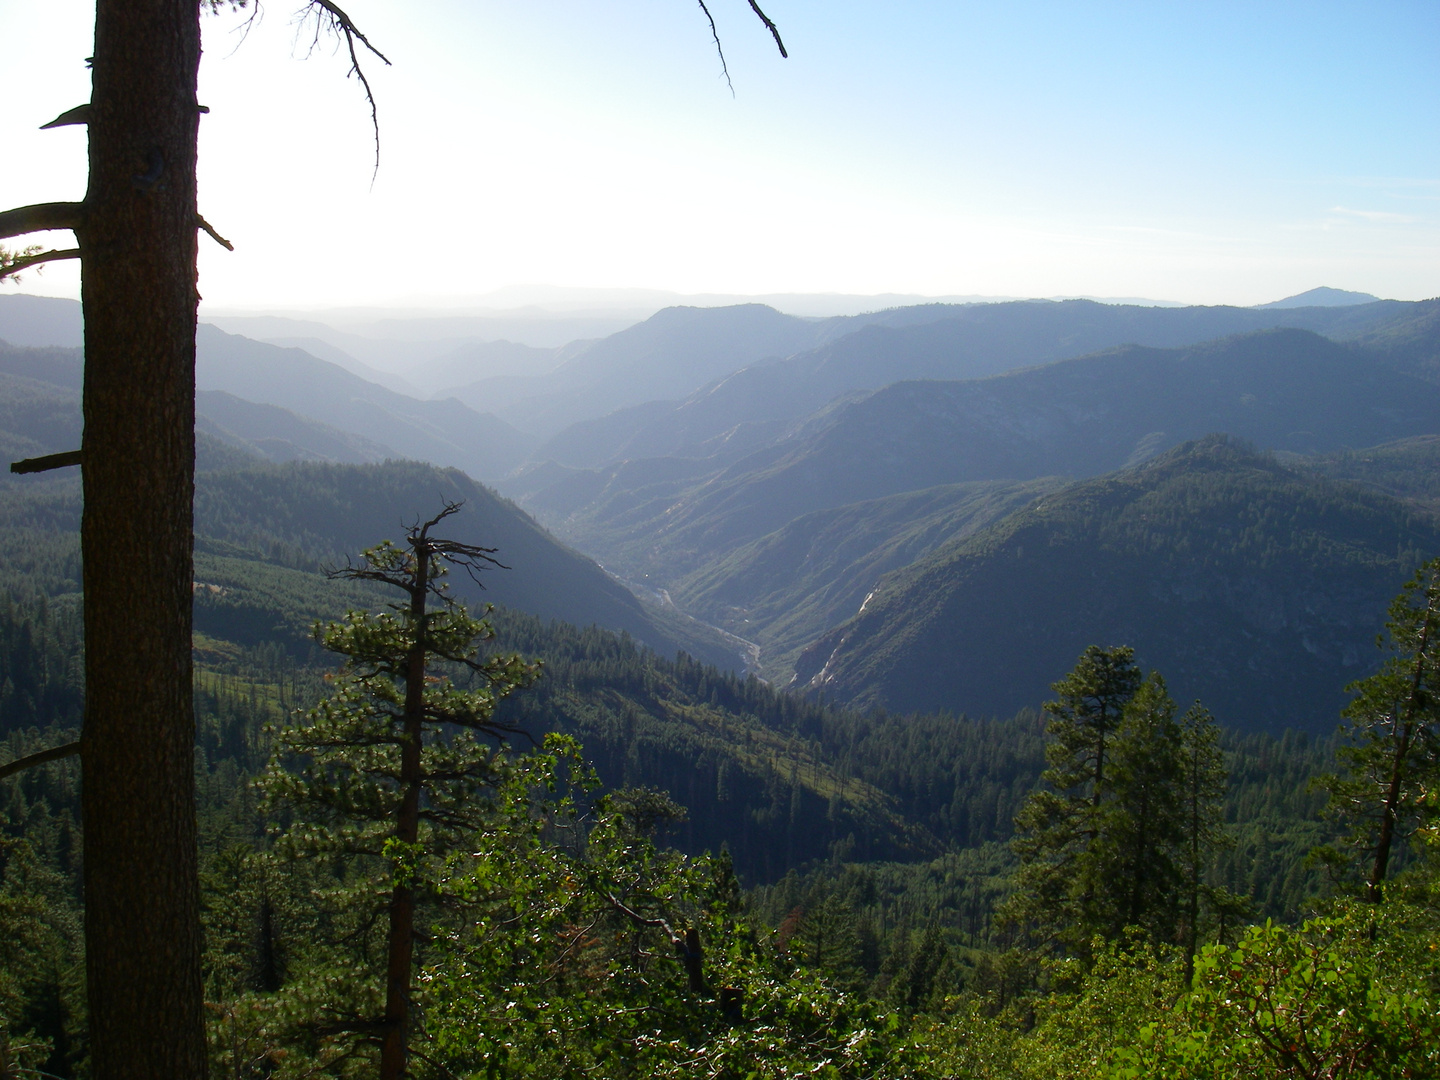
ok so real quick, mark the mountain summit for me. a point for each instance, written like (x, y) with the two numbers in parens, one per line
(1324, 296)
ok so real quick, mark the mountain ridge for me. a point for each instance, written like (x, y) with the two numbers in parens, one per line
(1250, 585)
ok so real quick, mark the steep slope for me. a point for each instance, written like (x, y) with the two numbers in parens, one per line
(444, 432)
(40, 414)
(1408, 339)
(670, 355)
(784, 589)
(1408, 469)
(1251, 586)
(1283, 389)
(327, 513)
(275, 434)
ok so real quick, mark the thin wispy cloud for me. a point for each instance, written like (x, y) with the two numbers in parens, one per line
(1378, 216)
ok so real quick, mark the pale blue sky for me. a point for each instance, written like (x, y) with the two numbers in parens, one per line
(1207, 152)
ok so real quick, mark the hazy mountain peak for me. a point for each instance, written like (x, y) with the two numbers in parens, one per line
(1324, 296)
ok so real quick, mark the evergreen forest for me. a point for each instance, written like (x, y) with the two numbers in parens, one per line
(999, 721)
(630, 864)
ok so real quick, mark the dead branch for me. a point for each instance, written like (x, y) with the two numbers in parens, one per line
(46, 463)
(210, 231)
(340, 24)
(774, 30)
(55, 753)
(719, 49)
(636, 917)
(10, 266)
(80, 114)
(687, 946)
(41, 217)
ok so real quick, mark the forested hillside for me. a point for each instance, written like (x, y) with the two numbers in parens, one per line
(876, 844)
(1253, 587)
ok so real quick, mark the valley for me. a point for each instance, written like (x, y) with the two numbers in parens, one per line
(811, 580)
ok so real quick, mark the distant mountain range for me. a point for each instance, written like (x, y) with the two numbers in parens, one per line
(1286, 389)
(772, 475)
(753, 405)
(318, 502)
(334, 414)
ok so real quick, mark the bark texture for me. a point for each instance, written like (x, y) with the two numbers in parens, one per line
(138, 241)
(395, 1048)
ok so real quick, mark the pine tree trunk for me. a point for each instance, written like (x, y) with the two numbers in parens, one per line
(142, 927)
(1400, 760)
(394, 1050)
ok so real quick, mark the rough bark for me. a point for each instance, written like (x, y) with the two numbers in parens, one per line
(137, 241)
(394, 1050)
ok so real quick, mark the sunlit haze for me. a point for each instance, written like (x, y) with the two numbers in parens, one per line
(1206, 153)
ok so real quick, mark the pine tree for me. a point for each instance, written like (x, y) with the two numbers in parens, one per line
(1394, 726)
(395, 763)
(1136, 865)
(1059, 827)
(1203, 784)
(1129, 825)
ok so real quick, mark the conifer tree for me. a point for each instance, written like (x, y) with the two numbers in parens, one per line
(1203, 784)
(1130, 822)
(1394, 725)
(1136, 857)
(395, 762)
(1058, 828)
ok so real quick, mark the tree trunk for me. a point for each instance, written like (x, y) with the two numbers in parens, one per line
(142, 928)
(1400, 760)
(394, 1049)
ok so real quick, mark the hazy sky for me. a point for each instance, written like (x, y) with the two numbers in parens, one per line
(1208, 152)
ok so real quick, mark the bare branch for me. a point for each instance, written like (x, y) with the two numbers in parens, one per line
(343, 26)
(719, 49)
(80, 114)
(774, 30)
(46, 463)
(53, 754)
(11, 264)
(635, 916)
(432, 1063)
(41, 217)
(686, 946)
(210, 231)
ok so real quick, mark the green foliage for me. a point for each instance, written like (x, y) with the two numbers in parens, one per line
(1064, 835)
(341, 766)
(1392, 752)
(40, 664)
(1355, 994)
(1124, 834)
(570, 961)
(1407, 469)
